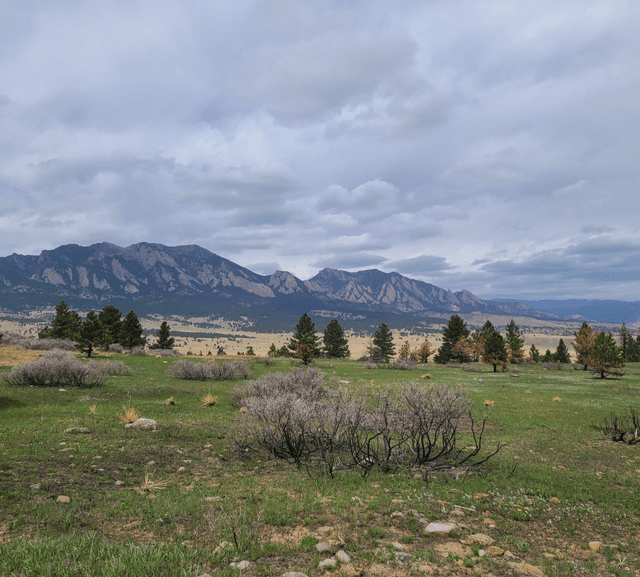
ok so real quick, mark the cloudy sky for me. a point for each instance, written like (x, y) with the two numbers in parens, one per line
(490, 145)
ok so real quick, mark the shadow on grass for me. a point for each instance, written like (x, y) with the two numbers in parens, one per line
(6, 403)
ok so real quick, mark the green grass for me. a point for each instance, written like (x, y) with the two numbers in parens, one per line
(161, 503)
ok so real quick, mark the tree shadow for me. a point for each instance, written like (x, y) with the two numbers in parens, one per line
(6, 403)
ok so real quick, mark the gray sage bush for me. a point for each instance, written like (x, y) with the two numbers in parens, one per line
(112, 367)
(416, 427)
(139, 351)
(115, 348)
(38, 344)
(165, 353)
(197, 371)
(305, 384)
(57, 369)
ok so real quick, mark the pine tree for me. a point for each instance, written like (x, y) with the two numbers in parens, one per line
(405, 351)
(423, 352)
(547, 357)
(131, 332)
(164, 339)
(606, 358)
(562, 353)
(451, 334)
(335, 343)
(65, 325)
(90, 333)
(304, 342)
(534, 354)
(626, 342)
(495, 350)
(584, 344)
(383, 347)
(110, 321)
(515, 342)
(272, 352)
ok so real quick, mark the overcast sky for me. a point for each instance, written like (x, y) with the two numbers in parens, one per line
(488, 145)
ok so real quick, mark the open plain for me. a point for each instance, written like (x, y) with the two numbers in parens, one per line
(83, 495)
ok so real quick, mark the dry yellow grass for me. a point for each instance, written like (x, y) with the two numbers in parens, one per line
(209, 400)
(129, 415)
(12, 356)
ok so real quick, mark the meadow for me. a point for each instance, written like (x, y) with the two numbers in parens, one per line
(558, 499)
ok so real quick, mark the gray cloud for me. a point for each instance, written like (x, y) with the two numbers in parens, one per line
(479, 147)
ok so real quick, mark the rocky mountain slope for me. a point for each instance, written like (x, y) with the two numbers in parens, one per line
(146, 272)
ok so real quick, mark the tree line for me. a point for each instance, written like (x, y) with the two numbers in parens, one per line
(103, 329)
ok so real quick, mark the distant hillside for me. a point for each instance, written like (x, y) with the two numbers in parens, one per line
(192, 280)
(603, 311)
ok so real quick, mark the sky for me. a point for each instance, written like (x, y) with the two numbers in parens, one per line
(486, 145)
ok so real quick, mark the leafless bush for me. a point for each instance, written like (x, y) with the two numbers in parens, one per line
(266, 361)
(417, 427)
(369, 364)
(618, 426)
(165, 353)
(115, 348)
(552, 366)
(191, 371)
(304, 384)
(56, 369)
(402, 365)
(195, 371)
(138, 352)
(38, 344)
(112, 367)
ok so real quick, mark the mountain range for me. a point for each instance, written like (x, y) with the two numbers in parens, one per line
(190, 279)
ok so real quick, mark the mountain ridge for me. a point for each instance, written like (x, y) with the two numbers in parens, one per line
(148, 272)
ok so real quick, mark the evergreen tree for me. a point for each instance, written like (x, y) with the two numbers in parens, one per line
(383, 347)
(584, 344)
(495, 350)
(164, 339)
(90, 333)
(304, 342)
(250, 352)
(422, 353)
(131, 332)
(562, 353)
(633, 354)
(451, 334)
(335, 343)
(405, 351)
(627, 342)
(515, 342)
(534, 354)
(110, 321)
(606, 358)
(547, 357)
(272, 352)
(66, 324)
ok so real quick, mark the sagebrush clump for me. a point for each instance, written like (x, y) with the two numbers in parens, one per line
(38, 344)
(195, 371)
(57, 369)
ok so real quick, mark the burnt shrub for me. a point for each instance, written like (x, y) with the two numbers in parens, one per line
(428, 428)
(57, 369)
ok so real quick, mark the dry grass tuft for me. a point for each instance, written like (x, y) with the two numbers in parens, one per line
(557, 399)
(489, 403)
(92, 409)
(425, 376)
(209, 400)
(170, 401)
(149, 485)
(129, 416)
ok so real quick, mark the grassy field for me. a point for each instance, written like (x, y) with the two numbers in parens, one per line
(165, 502)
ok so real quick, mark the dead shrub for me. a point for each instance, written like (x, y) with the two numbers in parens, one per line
(56, 369)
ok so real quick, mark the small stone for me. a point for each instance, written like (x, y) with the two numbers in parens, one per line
(398, 546)
(63, 499)
(482, 553)
(343, 557)
(323, 548)
(242, 565)
(595, 545)
(181, 469)
(509, 555)
(413, 513)
(494, 551)
(479, 538)
(63, 390)
(397, 517)
(119, 483)
(424, 568)
(142, 424)
(82, 430)
(150, 463)
(440, 529)
(35, 486)
(327, 563)
(402, 557)
(397, 501)
(525, 569)
(549, 555)
(294, 574)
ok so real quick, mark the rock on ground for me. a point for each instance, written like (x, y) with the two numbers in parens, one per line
(142, 424)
